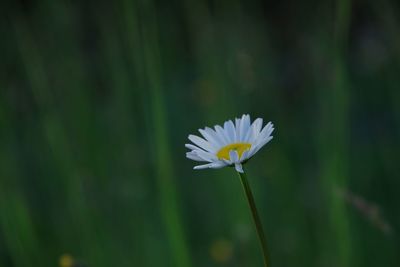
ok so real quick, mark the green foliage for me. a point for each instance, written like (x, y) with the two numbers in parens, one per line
(97, 99)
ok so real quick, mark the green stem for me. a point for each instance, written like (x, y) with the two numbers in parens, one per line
(256, 217)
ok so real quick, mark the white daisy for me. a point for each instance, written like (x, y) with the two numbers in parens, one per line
(230, 145)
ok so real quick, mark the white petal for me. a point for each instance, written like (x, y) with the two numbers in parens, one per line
(238, 122)
(258, 124)
(239, 167)
(200, 167)
(233, 155)
(218, 165)
(251, 132)
(228, 162)
(214, 165)
(206, 155)
(248, 135)
(263, 143)
(245, 155)
(251, 152)
(201, 143)
(192, 147)
(255, 130)
(193, 156)
(216, 136)
(209, 138)
(244, 127)
(265, 133)
(270, 127)
(230, 130)
(221, 133)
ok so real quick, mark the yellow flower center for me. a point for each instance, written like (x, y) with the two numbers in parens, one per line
(223, 153)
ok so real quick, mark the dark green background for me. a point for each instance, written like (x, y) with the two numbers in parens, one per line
(97, 99)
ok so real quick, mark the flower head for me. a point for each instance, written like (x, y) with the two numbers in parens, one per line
(230, 145)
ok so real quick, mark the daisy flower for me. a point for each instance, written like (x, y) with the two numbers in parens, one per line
(230, 145)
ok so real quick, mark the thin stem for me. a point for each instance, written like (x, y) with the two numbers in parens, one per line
(256, 217)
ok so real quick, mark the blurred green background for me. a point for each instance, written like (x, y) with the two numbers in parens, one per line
(97, 99)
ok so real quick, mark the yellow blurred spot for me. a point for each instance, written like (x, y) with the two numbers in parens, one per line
(66, 261)
(223, 153)
(221, 251)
